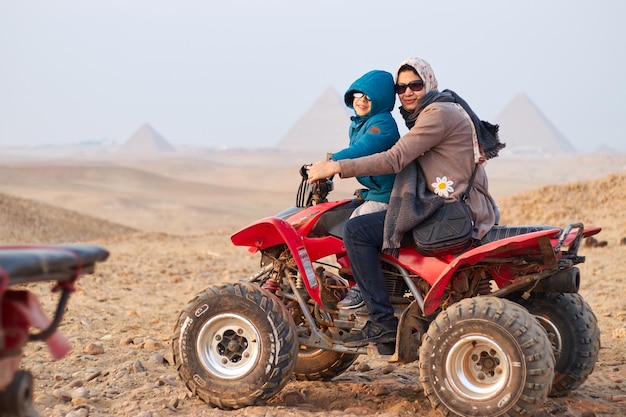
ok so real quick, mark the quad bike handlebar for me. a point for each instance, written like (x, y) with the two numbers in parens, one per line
(310, 194)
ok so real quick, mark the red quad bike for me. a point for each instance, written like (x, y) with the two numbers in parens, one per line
(20, 311)
(496, 329)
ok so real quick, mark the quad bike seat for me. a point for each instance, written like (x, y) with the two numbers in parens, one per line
(503, 232)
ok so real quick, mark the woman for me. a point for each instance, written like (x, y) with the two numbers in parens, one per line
(448, 141)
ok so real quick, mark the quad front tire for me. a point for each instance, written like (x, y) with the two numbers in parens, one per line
(17, 399)
(486, 357)
(235, 345)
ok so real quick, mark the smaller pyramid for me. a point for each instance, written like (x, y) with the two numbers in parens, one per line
(606, 150)
(526, 131)
(323, 128)
(146, 140)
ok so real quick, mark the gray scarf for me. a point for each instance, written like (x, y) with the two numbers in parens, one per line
(487, 133)
(410, 204)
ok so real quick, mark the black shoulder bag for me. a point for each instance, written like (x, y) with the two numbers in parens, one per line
(448, 230)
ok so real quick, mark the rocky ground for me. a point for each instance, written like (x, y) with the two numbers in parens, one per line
(121, 318)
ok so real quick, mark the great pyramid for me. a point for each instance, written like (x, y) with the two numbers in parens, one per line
(146, 140)
(526, 131)
(323, 128)
(523, 127)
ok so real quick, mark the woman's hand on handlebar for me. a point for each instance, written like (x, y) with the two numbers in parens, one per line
(323, 169)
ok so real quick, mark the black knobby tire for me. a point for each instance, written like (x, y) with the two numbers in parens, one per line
(317, 364)
(321, 365)
(574, 333)
(235, 345)
(17, 399)
(486, 357)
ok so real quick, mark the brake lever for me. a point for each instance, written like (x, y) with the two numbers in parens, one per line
(304, 171)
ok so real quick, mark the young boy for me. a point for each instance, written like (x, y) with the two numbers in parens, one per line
(372, 130)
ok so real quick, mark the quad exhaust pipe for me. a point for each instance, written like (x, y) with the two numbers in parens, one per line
(566, 281)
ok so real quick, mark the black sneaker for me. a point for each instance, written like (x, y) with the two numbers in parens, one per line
(383, 332)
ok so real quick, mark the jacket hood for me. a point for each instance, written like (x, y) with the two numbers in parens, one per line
(377, 85)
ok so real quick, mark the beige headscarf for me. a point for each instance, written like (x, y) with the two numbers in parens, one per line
(424, 70)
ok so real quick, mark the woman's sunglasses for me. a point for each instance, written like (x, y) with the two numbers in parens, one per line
(416, 85)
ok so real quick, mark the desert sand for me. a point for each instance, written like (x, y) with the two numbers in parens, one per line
(167, 224)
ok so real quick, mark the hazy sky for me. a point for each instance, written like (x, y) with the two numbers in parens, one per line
(241, 73)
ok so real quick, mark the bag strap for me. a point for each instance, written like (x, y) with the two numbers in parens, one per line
(469, 184)
(476, 151)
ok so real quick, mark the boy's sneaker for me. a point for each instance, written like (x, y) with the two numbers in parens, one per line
(353, 299)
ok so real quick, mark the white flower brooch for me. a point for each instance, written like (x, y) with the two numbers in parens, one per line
(443, 186)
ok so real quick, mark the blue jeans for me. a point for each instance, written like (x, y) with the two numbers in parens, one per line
(363, 238)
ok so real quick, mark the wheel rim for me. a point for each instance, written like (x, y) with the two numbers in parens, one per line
(228, 346)
(477, 368)
(553, 335)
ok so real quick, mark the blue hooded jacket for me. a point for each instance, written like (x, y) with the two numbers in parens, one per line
(375, 132)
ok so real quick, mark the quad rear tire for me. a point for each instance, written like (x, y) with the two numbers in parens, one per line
(486, 357)
(321, 365)
(574, 333)
(235, 345)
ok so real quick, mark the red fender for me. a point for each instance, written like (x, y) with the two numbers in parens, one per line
(497, 248)
(427, 267)
(272, 231)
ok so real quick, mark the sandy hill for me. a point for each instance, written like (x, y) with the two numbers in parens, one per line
(146, 200)
(594, 203)
(26, 221)
(226, 198)
(192, 194)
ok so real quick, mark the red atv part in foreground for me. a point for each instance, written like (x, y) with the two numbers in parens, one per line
(496, 328)
(20, 311)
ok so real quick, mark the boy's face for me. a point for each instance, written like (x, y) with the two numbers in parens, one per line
(362, 104)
